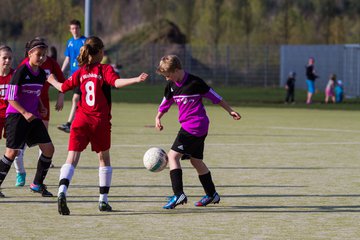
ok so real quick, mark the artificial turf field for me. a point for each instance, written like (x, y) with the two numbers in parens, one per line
(282, 173)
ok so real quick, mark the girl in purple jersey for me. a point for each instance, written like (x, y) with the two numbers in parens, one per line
(187, 91)
(23, 123)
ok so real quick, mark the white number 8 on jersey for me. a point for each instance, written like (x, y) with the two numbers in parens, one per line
(90, 93)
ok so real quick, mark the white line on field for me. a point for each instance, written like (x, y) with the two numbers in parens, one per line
(317, 129)
(233, 144)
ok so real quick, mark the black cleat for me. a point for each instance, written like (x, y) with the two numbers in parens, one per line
(104, 207)
(62, 206)
(2, 195)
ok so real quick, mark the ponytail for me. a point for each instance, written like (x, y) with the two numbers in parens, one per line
(93, 45)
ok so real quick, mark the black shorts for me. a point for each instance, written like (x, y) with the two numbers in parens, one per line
(19, 131)
(189, 145)
(77, 90)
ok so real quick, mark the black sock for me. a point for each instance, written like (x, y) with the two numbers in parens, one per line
(5, 165)
(42, 169)
(208, 184)
(176, 181)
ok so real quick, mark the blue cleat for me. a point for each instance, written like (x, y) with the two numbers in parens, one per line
(20, 179)
(175, 200)
(207, 200)
(40, 188)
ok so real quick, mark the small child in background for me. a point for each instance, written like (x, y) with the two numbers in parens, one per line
(339, 91)
(330, 89)
(290, 88)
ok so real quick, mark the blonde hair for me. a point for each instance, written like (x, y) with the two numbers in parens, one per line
(168, 64)
(88, 53)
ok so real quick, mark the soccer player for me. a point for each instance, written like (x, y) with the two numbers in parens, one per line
(187, 91)
(49, 66)
(310, 81)
(6, 73)
(72, 51)
(92, 122)
(23, 122)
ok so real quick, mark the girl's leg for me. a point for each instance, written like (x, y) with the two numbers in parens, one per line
(105, 175)
(6, 162)
(176, 180)
(19, 168)
(66, 173)
(207, 183)
(42, 169)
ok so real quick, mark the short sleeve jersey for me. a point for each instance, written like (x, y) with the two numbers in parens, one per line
(95, 83)
(50, 66)
(188, 96)
(25, 88)
(4, 81)
(72, 51)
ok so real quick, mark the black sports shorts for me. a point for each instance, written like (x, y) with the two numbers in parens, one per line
(189, 145)
(19, 131)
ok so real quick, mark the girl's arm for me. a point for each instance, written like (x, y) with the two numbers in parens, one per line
(53, 81)
(27, 115)
(235, 115)
(122, 82)
(158, 124)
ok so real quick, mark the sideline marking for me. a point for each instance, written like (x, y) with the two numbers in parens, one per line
(317, 129)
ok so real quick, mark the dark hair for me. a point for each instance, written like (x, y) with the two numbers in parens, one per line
(37, 42)
(53, 53)
(5, 48)
(75, 22)
(93, 45)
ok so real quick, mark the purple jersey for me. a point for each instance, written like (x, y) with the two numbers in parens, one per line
(188, 96)
(25, 88)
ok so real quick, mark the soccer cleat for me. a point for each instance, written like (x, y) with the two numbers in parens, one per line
(64, 127)
(175, 200)
(2, 195)
(40, 188)
(20, 179)
(207, 200)
(62, 206)
(104, 207)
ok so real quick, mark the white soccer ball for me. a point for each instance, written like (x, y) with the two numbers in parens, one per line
(155, 159)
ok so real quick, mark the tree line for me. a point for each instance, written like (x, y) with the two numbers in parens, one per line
(204, 22)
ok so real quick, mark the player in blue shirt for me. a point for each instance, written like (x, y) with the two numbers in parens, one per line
(72, 50)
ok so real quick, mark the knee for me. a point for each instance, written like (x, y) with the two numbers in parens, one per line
(11, 153)
(48, 150)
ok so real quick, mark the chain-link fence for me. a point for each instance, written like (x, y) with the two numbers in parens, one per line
(254, 66)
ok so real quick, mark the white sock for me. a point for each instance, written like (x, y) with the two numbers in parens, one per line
(19, 161)
(66, 172)
(105, 174)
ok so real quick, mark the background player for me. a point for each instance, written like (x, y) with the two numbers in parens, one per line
(72, 51)
(92, 122)
(187, 91)
(6, 73)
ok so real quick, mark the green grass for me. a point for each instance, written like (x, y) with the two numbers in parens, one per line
(283, 173)
(236, 96)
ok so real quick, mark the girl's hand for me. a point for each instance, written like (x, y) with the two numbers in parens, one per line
(142, 77)
(29, 116)
(60, 102)
(235, 115)
(158, 124)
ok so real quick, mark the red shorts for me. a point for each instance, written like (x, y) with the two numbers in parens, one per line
(2, 127)
(46, 103)
(87, 129)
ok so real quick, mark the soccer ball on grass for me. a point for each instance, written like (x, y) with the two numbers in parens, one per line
(155, 159)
